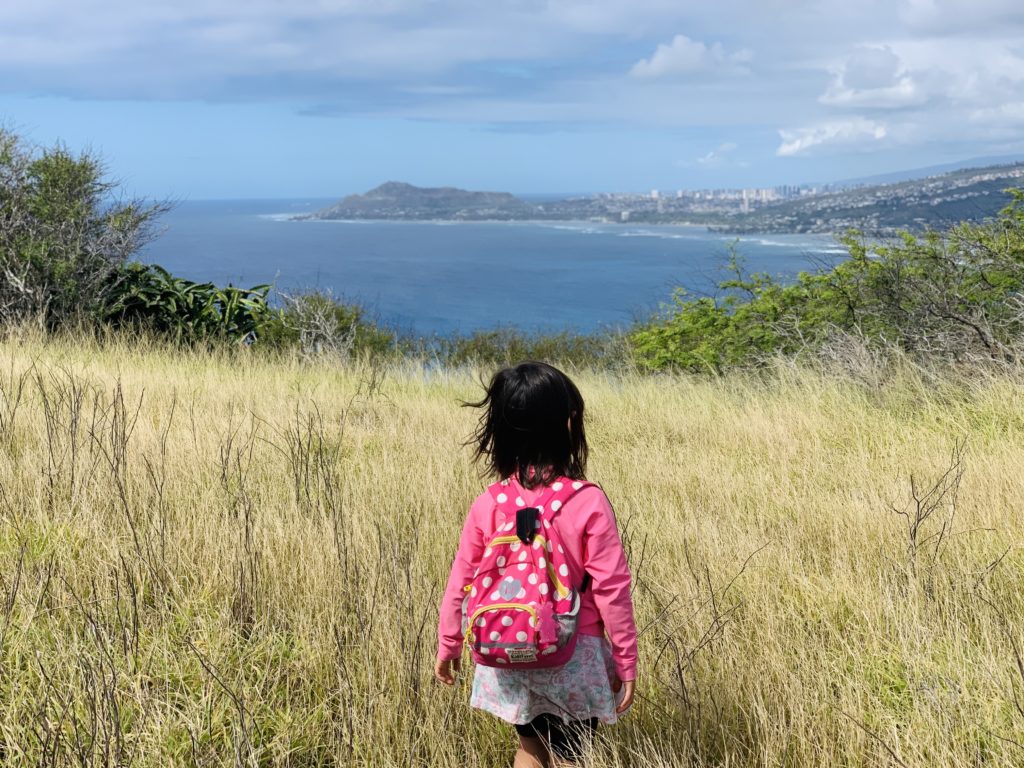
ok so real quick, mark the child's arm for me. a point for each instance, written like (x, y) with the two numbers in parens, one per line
(605, 560)
(471, 547)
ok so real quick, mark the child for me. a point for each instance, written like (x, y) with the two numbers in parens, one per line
(531, 432)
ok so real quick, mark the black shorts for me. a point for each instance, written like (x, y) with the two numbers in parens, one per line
(565, 740)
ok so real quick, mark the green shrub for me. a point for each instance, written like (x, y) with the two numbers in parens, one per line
(63, 234)
(148, 296)
(956, 295)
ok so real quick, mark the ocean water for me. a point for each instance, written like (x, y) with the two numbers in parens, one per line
(441, 277)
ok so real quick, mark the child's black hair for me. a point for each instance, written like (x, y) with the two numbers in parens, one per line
(531, 425)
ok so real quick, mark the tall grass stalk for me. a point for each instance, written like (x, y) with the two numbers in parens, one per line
(218, 558)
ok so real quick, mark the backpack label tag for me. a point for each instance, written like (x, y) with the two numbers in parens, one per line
(521, 655)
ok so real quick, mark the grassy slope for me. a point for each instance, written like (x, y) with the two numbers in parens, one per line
(240, 561)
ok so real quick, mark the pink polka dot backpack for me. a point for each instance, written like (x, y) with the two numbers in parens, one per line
(520, 609)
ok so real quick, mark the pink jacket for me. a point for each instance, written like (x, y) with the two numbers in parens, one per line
(587, 528)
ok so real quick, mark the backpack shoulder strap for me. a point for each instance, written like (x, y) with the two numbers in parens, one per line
(559, 492)
(551, 500)
(500, 491)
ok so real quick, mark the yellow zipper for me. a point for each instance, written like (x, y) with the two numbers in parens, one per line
(507, 539)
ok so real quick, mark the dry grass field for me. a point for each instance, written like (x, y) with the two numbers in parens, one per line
(217, 559)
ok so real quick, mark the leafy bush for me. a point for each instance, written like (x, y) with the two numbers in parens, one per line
(150, 297)
(63, 233)
(957, 296)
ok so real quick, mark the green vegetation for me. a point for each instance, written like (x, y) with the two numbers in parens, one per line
(954, 296)
(63, 235)
(148, 296)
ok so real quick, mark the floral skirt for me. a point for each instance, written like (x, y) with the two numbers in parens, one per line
(578, 690)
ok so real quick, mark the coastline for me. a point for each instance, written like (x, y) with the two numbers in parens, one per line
(713, 229)
(710, 229)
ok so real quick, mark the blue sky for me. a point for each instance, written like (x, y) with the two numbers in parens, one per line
(319, 98)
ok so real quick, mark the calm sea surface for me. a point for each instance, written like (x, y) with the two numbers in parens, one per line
(440, 277)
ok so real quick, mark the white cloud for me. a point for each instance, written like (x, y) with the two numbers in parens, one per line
(903, 93)
(855, 132)
(685, 56)
(962, 15)
(870, 67)
(1008, 116)
(873, 77)
(361, 37)
(719, 156)
(943, 71)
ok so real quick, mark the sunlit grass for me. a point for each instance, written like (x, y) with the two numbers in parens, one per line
(220, 558)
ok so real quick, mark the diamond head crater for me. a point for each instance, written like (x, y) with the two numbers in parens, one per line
(880, 208)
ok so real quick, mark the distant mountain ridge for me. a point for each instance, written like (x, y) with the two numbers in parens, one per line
(969, 194)
(398, 200)
(910, 174)
(933, 201)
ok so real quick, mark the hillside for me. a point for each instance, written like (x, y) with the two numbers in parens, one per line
(932, 202)
(909, 174)
(397, 200)
(235, 559)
